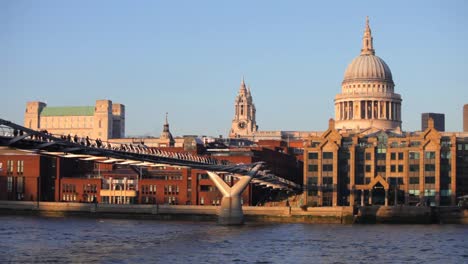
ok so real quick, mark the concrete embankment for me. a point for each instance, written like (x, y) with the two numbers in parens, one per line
(178, 212)
(157, 212)
(412, 215)
(336, 215)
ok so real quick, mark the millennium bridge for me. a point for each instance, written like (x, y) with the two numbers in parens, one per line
(230, 211)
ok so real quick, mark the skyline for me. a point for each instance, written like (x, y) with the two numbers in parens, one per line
(195, 57)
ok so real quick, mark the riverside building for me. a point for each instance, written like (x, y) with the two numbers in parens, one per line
(104, 120)
(381, 168)
(365, 158)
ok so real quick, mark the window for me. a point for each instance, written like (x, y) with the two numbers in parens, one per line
(392, 168)
(381, 150)
(400, 155)
(327, 180)
(312, 180)
(368, 168)
(414, 155)
(380, 168)
(313, 167)
(414, 180)
(381, 153)
(20, 167)
(20, 184)
(395, 181)
(429, 180)
(206, 188)
(203, 176)
(393, 156)
(429, 167)
(368, 156)
(327, 155)
(10, 184)
(429, 155)
(9, 166)
(413, 167)
(327, 167)
(400, 168)
(313, 155)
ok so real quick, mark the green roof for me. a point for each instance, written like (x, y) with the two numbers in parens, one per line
(68, 111)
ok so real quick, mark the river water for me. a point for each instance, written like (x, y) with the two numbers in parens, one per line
(33, 239)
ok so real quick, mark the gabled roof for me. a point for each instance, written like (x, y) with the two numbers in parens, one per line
(378, 179)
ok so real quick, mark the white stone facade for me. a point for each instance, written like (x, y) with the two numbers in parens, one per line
(367, 98)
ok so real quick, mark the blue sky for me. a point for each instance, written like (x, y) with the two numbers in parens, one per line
(188, 57)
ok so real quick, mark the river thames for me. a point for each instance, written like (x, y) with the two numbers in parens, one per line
(32, 239)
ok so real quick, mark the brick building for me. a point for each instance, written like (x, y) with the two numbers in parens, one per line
(439, 121)
(26, 176)
(378, 167)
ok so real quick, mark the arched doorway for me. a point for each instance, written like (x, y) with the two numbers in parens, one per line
(375, 192)
(378, 194)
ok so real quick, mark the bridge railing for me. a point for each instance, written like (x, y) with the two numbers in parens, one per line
(19, 133)
(45, 136)
(6, 131)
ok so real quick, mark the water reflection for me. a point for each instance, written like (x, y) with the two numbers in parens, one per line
(77, 240)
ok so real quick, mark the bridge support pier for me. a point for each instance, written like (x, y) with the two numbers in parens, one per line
(230, 211)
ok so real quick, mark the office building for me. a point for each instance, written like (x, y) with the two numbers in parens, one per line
(439, 121)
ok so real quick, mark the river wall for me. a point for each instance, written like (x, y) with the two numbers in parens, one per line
(342, 215)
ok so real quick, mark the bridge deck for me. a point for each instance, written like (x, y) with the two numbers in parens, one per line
(14, 135)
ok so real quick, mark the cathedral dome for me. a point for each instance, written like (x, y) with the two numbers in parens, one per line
(367, 98)
(368, 67)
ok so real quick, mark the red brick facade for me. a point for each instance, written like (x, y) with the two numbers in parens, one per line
(19, 174)
(27, 176)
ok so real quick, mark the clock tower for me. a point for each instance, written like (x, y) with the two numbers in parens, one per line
(243, 124)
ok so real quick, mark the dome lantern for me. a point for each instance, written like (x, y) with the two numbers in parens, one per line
(367, 97)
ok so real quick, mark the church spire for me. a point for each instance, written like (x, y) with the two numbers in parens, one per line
(166, 125)
(242, 86)
(166, 138)
(367, 41)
